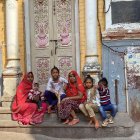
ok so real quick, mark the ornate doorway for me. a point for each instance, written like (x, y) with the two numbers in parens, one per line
(52, 37)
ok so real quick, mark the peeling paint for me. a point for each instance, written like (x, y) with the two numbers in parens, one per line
(122, 31)
(133, 68)
(135, 109)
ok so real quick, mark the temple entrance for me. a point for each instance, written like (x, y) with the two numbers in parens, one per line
(52, 37)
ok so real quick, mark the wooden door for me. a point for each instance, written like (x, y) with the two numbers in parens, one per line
(52, 38)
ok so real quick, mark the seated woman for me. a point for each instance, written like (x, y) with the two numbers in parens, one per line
(25, 112)
(76, 95)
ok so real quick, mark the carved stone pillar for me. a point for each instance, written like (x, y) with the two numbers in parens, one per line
(91, 67)
(12, 73)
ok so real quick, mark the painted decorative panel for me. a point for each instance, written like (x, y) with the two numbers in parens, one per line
(64, 22)
(41, 23)
(43, 69)
(65, 65)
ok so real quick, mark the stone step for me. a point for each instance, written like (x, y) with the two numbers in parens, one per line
(5, 113)
(123, 127)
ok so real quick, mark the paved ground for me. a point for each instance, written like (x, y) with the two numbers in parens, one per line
(21, 136)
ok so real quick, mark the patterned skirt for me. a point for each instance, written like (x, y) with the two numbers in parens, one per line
(66, 107)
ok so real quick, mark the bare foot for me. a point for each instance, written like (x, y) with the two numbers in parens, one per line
(40, 109)
(90, 122)
(49, 109)
(66, 122)
(97, 125)
(74, 121)
(32, 123)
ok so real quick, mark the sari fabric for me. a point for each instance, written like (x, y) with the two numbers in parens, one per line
(72, 90)
(23, 111)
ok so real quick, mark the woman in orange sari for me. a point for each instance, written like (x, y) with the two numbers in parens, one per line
(25, 112)
(76, 95)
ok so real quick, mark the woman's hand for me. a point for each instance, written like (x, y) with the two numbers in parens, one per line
(67, 98)
(64, 87)
(36, 98)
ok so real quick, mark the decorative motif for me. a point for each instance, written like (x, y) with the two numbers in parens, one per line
(64, 22)
(40, 1)
(43, 67)
(65, 38)
(41, 23)
(42, 38)
(65, 65)
(11, 4)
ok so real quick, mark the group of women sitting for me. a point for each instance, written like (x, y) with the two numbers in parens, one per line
(30, 105)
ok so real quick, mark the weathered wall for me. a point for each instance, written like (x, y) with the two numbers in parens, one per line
(21, 35)
(114, 68)
(82, 32)
(100, 26)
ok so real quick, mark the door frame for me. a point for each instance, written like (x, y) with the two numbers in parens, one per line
(28, 39)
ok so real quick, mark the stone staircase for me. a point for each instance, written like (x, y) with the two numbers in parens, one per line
(123, 127)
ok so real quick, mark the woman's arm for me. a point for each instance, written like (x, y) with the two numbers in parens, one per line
(78, 97)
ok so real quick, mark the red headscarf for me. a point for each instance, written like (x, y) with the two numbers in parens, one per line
(22, 93)
(73, 88)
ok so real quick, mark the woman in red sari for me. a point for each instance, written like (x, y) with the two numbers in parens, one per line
(76, 95)
(25, 112)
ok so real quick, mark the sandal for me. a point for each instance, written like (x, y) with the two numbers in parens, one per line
(74, 121)
(105, 123)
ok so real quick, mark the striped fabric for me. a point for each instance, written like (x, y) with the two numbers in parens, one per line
(104, 96)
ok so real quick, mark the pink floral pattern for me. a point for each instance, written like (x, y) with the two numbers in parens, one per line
(64, 22)
(65, 66)
(41, 29)
(43, 67)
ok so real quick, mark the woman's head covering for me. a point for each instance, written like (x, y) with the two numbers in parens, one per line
(71, 89)
(22, 92)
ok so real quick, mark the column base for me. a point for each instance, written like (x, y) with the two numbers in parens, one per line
(11, 78)
(94, 70)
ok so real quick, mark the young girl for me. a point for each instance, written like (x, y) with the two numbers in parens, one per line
(91, 105)
(55, 88)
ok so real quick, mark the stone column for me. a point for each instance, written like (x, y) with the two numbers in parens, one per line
(12, 72)
(91, 66)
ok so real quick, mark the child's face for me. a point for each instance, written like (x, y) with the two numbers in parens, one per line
(88, 84)
(36, 87)
(100, 85)
(55, 74)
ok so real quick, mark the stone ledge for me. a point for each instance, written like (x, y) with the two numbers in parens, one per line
(5, 110)
(53, 128)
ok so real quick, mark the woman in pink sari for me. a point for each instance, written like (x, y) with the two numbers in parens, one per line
(25, 112)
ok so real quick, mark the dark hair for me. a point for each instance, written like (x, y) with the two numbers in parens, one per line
(37, 84)
(104, 81)
(88, 77)
(54, 68)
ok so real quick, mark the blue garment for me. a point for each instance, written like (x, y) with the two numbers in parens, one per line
(110, 107)
(51, 97)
